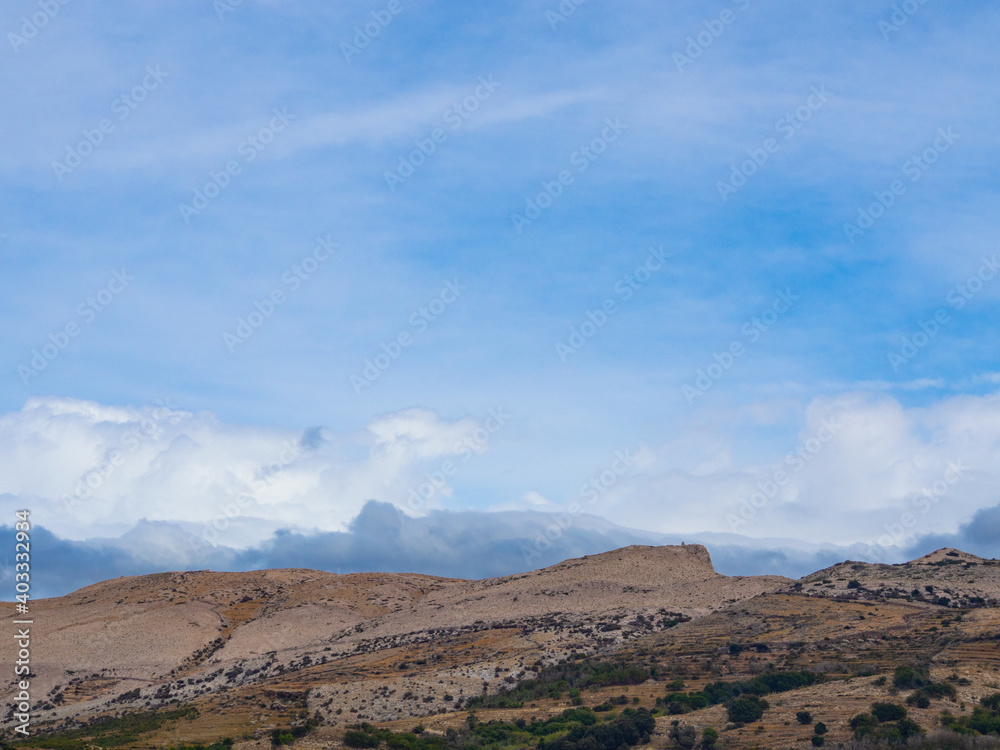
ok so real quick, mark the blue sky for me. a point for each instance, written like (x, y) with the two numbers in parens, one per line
(836, 104)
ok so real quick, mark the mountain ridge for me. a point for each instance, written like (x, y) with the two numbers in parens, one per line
(225, 639)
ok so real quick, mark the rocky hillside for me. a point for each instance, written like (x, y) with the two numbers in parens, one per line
(152, 640)
(945, 577)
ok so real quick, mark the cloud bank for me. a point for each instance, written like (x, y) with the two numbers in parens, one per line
(123, 490)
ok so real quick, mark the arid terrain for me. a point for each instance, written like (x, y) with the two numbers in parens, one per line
(254, 652)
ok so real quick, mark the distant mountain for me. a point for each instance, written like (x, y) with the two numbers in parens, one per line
(381, 538)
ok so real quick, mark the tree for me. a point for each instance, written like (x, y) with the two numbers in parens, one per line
(907, 678)
(746, 709)
(804, 717)
(992, 701)
(820, 728)
(684, 735)
(888, 711)
(863, 724)
(908, 728)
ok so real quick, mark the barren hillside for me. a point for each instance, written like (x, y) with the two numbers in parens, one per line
(179, 636)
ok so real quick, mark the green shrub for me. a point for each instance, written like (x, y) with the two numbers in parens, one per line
(888, 712)
(920, 699)
(863, 724)
(991, 701)
(940, 690)
(908, 728)
(355, 738)
(746, 709)
(908, 678)
(685, 736)
(804, 717)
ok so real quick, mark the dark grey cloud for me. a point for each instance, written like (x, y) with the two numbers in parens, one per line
(312, 438)
(980, 536)
(469, 544)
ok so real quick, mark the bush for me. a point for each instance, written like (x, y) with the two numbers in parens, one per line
(355, 738)
(685, 736)
(908, 678)
(982, 721)
(863, 724)
(940, 690)
(920, 699)
(852, 584)
(908, 728)
(804, 717)
(818, 740)
(556, 679)
(820, 728)
(888, 712)
(746, 709)
(709, 738)
(682, 734)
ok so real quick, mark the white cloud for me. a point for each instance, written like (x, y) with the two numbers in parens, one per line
(873, 462)
(858, 463)
(89, 470)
